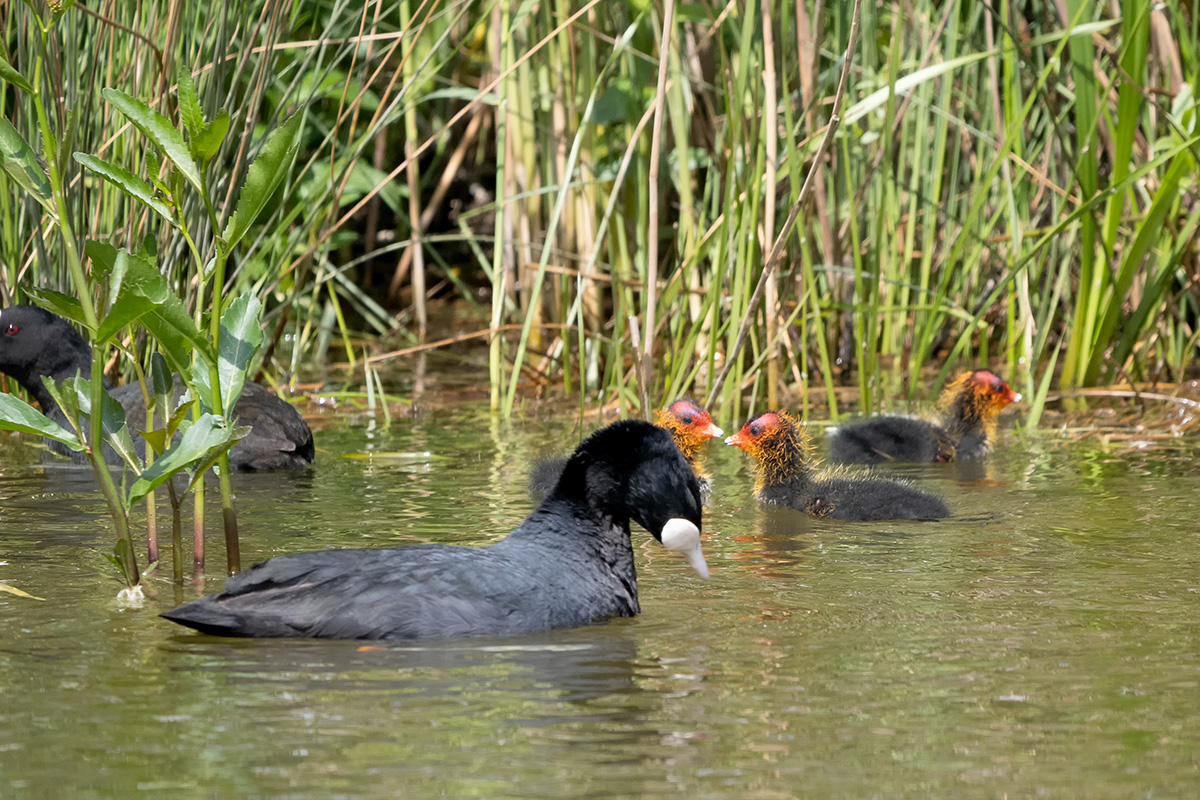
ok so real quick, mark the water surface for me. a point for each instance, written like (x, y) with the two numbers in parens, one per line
(1044, 642)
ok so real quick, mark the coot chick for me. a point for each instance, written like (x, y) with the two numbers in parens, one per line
(784, 477)
(35, 343)
(966, 425)
(690, 426)
(569, 563)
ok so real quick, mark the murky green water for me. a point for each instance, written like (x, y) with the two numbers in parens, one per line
(1045, 642)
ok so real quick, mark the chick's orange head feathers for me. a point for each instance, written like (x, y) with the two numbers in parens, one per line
(999, 393)
(759, 430)
(688, 420)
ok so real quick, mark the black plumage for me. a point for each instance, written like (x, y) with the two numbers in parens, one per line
(569, 563)
(36, 344)
(967, 412)
(689, 425)
(890, 439)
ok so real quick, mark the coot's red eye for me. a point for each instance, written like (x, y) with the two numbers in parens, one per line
(12, 329)
(755, 430)
(686, 420)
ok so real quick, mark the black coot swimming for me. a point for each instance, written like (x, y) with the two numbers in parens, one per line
(690, 426)
(778, 447)
(967, 413)
(569, 563)
(35, 344)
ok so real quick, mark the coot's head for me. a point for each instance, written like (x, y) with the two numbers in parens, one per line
(980, 394)
(36, 343)
(633, 470)
(689, 424)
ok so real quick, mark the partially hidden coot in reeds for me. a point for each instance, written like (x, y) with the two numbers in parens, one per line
(36, 344)
(966, 426)
(569, 563)
(689, 425)
(785, 476)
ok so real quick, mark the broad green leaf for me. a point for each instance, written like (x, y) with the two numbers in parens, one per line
(9, 73)
(62, 304)
(177, 335)
(103, 257)
(158, 129)
(161, 379)
(132, 185)
(17, 415)
(189, 104)
(128, 307)
(262, 178)
(208, 142)
(20, 162)
(135, 288)
(210, 461)
(113, 428)
(207, 437)
(156, 438)
(241, 336)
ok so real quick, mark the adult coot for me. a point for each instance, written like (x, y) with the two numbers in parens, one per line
(785, 478)
(570, 562)
(690, 426)
(967, 413)
(36, 344)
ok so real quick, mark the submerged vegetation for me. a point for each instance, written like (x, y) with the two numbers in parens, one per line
(599, 184)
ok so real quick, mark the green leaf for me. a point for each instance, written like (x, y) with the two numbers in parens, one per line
(208, 142)
(241, 336)
(17, 415)
(135, 288)
(189, 104)
(161, 378)
(113, 428)
(206, 438)
(20, 162)
(103, 257)
(9, 73)
(177, 335)
(62, 304)
(262, 179)
(131, 184)
(158, 129)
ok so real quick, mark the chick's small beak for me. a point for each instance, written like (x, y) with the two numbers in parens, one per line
(683, 536)
(712, 431)
(737, 440)
(1010, 395)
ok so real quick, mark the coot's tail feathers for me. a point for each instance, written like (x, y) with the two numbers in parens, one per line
(544, 475)
(207, 616)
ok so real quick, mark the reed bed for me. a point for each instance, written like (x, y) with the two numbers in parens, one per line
(601, 184)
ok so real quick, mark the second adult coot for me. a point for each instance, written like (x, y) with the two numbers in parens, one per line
(36, 344)
(569, 563)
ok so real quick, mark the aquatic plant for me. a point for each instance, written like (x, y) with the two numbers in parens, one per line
(125, 292)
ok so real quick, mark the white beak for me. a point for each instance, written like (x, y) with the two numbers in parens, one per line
(683, 536)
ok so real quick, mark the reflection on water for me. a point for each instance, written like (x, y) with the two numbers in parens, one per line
(1042, 641)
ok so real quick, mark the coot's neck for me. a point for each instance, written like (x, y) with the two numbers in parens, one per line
(64, 355)
(577, 534)
(782, 464)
